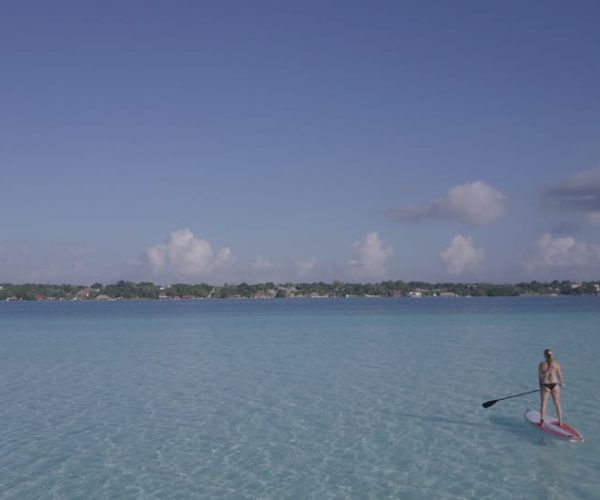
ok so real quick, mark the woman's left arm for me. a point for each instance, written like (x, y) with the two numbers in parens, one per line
(560, 377)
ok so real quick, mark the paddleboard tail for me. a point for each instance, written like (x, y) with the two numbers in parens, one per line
(550, 426)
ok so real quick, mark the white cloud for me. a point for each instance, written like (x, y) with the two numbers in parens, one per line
(565, 252)
(305, 266)
(462, 256)
(185, 255)
(370, 257)
(475, 203)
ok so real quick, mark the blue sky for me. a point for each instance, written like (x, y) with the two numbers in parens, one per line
(251, 141)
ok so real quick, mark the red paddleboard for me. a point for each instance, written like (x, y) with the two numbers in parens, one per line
(550, 426)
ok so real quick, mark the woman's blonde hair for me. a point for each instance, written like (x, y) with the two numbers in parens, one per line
(548, 356)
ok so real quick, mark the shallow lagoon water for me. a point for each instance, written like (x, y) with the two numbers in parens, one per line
(348, 398)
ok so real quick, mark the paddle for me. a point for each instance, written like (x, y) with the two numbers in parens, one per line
(487, 404)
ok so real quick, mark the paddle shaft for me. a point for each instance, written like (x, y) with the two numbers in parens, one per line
(487, 404)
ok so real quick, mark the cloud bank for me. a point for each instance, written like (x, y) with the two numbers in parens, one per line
(473, 204)
(462, 256)
(28, 262)
(593, 218)
(305, 266)
(581, 193)
(370, 257)
(261, 264)
(184, 255)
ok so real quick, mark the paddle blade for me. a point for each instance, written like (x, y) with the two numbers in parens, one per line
(487, 404)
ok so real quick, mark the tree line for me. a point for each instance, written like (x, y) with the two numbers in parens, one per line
(148, 290)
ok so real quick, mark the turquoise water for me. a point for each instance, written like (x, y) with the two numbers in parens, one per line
(355, 398)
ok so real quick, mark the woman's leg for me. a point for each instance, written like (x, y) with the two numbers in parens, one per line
(544, 393)
(556, 399)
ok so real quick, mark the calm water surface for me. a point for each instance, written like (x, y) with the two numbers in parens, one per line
(356, 398)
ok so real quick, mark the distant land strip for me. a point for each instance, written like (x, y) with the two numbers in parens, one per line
(127, 290)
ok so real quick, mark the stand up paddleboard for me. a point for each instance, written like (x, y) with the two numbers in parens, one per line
(550, 426)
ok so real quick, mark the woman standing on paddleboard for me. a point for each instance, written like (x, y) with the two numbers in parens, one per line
(551, 380)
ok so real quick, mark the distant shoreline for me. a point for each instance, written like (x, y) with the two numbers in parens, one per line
(127, 290)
